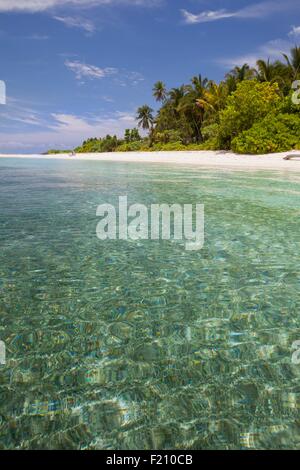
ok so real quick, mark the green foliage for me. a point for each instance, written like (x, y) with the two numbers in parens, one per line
(171, 146)
(213, 115)
(251, 111)
(275, 133)
(293, 63)
(160, 91)
(145, 117)
(210, 131)
(167, 136)
(180, 147)
(57, 152)
(108, 144)
(171, 124)
(250, 103)
(138, 146)
(286, 106)
(132, 135)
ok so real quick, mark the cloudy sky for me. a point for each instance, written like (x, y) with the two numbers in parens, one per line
(79, 68)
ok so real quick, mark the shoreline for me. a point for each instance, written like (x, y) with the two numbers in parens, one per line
(205, 159)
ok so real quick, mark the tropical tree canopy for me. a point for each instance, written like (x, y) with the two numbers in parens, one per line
(145, 117)
(238, 113)
(160, 91)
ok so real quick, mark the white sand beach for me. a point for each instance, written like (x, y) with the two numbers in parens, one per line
(205, 159)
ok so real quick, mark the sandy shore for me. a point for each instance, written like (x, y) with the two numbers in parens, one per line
(206, 159)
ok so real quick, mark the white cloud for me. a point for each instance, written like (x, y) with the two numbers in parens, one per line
(33, 6)
(95, 126)
(295, 32)
(206, 16)
(77, 22)
(272, 50)
(122, 77)
(107, 99)
(126, 78)
(15, 113)
(39, 37)
(89, 71)
(257, 10)
(66, 131)
(125, 117)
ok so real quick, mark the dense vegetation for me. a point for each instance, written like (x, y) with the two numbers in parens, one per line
(56, 152)
(250, 111)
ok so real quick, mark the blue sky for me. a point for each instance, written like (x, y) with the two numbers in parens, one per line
(80, 68)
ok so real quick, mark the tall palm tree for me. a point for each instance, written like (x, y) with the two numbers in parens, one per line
(214, 98)
(160, 91)
(265, 70)
(199, 83)
(245, 72)
(270, 72)
(145, 117)
(273, 72)
(293, 62)
(176, 94)
(189, 108)
(231, 83)
(237, 75)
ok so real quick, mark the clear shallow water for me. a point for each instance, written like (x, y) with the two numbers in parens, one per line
(143, 345)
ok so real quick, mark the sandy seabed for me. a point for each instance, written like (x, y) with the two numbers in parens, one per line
(207, 159)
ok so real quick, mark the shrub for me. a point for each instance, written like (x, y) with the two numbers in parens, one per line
(167, 136)
(108, 144)
(210, 132)
(210, 136)
(169, 147)
(56, 152)
(251, 102)
(275, 133)
(180, 147)
(132, 135)
(140, 146)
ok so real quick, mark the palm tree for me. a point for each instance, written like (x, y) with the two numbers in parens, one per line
(176, 94)
(188, 105)
(265, 70)
(270, 72)
(274, 72)
(214, 98)
(245, 72)
(199, 83)
(145, 117)
(160, 91)
(231, 83)
(175, 97)
(293, 62)
(237, 75)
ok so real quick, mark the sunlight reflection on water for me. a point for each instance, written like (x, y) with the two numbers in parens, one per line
(143, 345)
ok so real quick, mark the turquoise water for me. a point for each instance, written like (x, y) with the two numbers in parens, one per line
(143, 345)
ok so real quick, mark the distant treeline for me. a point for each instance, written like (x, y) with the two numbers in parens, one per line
(250, 111)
